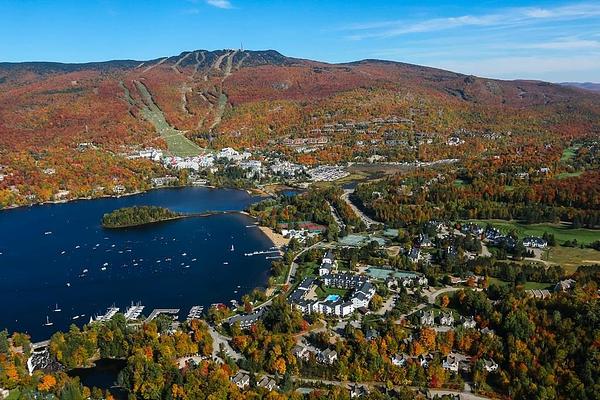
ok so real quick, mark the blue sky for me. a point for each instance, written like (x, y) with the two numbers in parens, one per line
(548, 40)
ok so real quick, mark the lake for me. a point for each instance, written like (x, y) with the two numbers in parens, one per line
(58, 264)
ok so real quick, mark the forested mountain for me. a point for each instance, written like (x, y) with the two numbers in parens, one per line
(256, 100)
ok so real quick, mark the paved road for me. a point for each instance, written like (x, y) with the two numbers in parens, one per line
(365, 218)
(433, 295)
(220, 340)
(387, 305)
(348, 384)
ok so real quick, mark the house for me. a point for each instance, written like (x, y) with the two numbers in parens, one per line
(267, 383)
(535, 242)
(391, 282)
(245, 321)
(371, 334)
(327, 356)
(538, 293)
(427, 318)
(414, 254)
(425, 360)
(399, 360)
(301, 352)
(446, 319)
(241, 380)
(490, 365)
(487, 331)
(357, 391)
(473, 229)
(565, 285)
(455, 362)
(469, 323)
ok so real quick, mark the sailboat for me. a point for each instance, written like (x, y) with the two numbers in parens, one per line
(232, 248)
(48, 323)
(56, 309)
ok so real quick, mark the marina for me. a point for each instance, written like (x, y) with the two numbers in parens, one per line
(115, 268)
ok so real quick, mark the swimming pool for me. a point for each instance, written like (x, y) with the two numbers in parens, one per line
(332, 297)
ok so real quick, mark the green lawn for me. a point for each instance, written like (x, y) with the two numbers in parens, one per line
(562, 232)
(565, 175)
(323, 292)
(571, 257)
(569, 153)
(460, 183)
(527, 286)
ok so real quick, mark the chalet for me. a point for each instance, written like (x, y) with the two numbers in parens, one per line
(267, 383)
(425, 360)
(424, 241)
(399, 360)
(327, 356)
(455, 362)
(564, 285)
(535, 242)
(327, 264)
(469, 323)
(245, 321)
(241, 380)
(538, 293)
(301, 352)
(473, 229)
(414, 254)
(357, 391)
(371, 334)
(446, 319)
(490, 365)
(427, 318)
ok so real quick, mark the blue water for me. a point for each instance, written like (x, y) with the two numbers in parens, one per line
(174, 264)
(332, 297)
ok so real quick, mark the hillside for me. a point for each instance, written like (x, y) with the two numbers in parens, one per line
(251, 99)
(584, 85)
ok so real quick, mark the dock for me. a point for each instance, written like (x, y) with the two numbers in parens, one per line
(134, 312)
(256, 253)
(109, 314)
(156, 312)
(195, 313)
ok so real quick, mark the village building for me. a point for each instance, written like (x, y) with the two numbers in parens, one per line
(241, 380)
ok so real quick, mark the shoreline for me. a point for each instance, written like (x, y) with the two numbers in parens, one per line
(278, 240)
(115, 196)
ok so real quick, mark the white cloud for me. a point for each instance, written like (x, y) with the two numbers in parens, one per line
(565, 45)
(528, 67)
(502, 18)
(220, 3)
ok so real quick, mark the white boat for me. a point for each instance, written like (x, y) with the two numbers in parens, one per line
(232, 248)
(103, 269)
(75, 317)
(193, 259)
(48, 323)
(56, 309)
(78, 246)
(105, 264)
(48, 233)
(184, 254)
(225, 263)
(63, 252)
(68, 284)
(187, 266)
(85, 271)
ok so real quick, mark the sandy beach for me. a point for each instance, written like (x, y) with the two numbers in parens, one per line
(277, 238)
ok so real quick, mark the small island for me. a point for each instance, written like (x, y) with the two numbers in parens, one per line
(138, 215)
